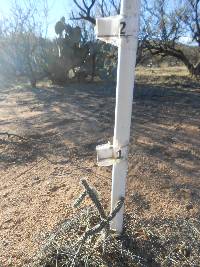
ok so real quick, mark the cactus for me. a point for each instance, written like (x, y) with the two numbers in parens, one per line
(85, 58)
(71, 52)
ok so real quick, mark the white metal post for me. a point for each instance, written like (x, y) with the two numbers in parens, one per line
(124, 97)
(121, 30)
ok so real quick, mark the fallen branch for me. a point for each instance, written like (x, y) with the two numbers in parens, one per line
(12, 134)
(94, 197)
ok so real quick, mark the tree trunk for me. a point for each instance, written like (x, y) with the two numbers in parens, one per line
(193, 70)
(93, 67)
(164, 51)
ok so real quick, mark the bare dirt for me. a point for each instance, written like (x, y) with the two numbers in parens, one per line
(53, 133)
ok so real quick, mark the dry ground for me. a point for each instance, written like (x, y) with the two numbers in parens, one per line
(56, 130)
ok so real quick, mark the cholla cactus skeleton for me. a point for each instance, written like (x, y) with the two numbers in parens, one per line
(105, 220)
(91, 192)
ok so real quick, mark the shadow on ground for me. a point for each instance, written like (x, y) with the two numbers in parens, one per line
(63, 125)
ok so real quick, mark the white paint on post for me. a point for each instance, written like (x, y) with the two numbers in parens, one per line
(122, 31)
(124, 97)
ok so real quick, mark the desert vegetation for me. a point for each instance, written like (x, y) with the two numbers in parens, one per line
(53, 131)
(57, 103)
(74, 53)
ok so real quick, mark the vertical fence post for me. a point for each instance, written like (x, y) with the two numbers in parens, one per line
(121, 30)
(124, 97)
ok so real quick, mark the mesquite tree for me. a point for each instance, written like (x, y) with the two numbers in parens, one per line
(22, 39)
(166, 24)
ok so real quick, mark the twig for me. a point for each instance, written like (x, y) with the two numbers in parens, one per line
(12, 134)
(96, 229)
(93, 196)
(80, 199)
(104, 223)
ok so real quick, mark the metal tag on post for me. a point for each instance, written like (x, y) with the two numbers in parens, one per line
(107, 155)
(110, 29)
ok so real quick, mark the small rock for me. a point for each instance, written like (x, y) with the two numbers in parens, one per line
(189, 207)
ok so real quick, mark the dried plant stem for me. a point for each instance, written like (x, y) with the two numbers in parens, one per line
(105, 220)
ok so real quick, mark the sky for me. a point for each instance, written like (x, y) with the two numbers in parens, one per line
(58, 8)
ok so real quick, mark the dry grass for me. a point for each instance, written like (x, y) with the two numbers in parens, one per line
(179, 71)
(147, 243)
(176, 76)
(61, 127)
